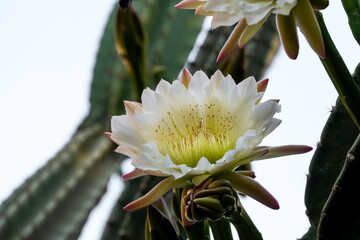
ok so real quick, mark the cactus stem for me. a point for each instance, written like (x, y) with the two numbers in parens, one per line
(340, 76)
(342, 203)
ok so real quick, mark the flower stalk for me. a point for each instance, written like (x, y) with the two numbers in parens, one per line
(245, 227)
(348, 90)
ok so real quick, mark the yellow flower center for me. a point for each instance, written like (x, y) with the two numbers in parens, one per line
(196, 131)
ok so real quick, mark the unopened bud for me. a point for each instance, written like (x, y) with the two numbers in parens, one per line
(211, 200)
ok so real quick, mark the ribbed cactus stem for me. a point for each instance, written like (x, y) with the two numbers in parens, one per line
(342, 206)
(49, 194)
(124, 224)
(337, 137)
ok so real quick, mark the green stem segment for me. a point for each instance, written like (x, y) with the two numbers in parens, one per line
(352, 9)
(221, 229)
(130, 44)
(344, 83)
(198, 231)
(342, 207)
(245, 228)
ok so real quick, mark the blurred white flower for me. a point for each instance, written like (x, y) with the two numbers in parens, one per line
(251, 14)
(226, 13)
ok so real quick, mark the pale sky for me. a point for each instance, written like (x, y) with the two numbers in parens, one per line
(47, 55)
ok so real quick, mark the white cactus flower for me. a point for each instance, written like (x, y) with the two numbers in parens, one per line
(251, 14)
(198, 127)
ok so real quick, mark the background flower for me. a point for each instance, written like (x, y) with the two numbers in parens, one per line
(251, 14)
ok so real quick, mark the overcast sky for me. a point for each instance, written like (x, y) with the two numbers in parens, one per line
(47, 54)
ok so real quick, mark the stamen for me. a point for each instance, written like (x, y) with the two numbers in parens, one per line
(208, 134)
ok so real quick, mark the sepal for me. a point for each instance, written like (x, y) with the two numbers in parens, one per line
(157, 192)
(286, 26)
(252, 188)
(309, 26)
(285, 150)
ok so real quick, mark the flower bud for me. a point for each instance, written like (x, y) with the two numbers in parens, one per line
(319, 4)
(211, 200)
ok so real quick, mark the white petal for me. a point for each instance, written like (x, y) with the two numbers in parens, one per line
(177, 171)
(216, 78)
(226, 91)
(255, 12)
(144, 162)
(247, 90)
(243, 141)
(264, 112)
(203, 165)
(200, 86)
(163, 88)
(223, 163)
(180, 96)
(168, 163)
(152, 150)
(154, 102)
(284, 6)
(146, 124)
(274, 123)
(220, 19)
(128, 151)
(123, 133)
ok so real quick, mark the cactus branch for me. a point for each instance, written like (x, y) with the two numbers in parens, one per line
(327, 162)
(344, 83)
(352, 9)
(342, 207)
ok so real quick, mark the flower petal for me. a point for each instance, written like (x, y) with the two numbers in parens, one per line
(197, 180)
(124, 133)
(203, 165)
(216, 78)
(248, 173)
(249, 32)
(243, 141)
(133, 174)
(220, 19)
(189, 4)
(241, 158)
(200, 86)
(309, 26)
(201, 11)
(288, 34)
(154, 194)
(163, 88)
(231, 43)
(249, 157)
(263, 113)
(247, 90)
(154, 102)
(262, 85)
(252, 188)
(128, 151)
(270, 126)
(131, 106)
(185, 77)
(285, 151)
